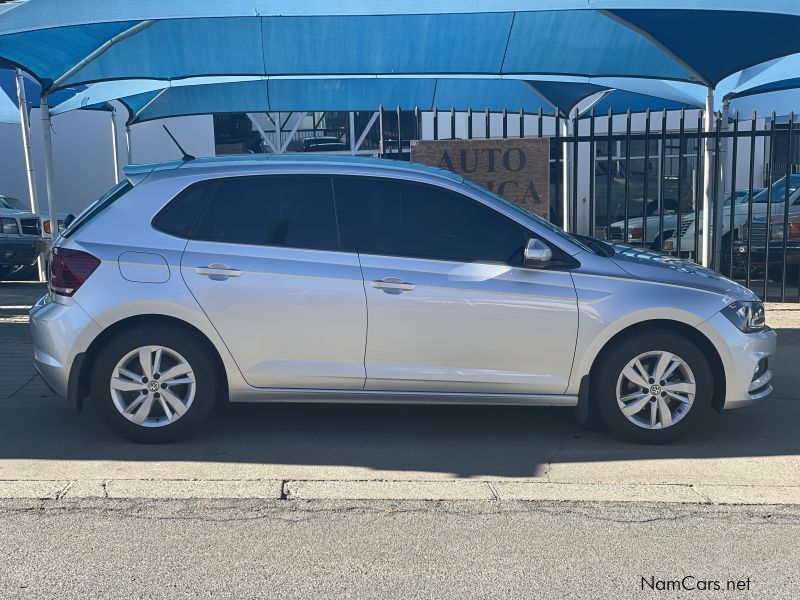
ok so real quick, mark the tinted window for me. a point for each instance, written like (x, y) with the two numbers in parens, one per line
(277, 210)
(178, 217)
(409, 219)
(98, 206)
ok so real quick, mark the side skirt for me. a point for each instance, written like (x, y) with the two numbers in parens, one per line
(394, 397)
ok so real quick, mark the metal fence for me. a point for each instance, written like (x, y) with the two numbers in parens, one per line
(643, 180)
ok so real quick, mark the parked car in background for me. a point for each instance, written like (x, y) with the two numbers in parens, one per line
(163, 301)
(768, 247)
(636, 226)
(652, 237)
(740, 210)
(43, 215)
(20, 237)
(326, 143)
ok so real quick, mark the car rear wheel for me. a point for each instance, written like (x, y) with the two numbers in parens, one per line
(154, 384)
(652, 387)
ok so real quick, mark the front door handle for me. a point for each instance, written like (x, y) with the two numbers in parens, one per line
(393, 285)
(218, 272)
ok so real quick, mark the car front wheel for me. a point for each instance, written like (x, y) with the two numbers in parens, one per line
(652, 387)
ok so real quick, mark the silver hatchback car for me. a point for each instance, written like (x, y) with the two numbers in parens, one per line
(319, 279)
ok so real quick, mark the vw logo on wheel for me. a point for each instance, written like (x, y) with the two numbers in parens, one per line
(655, 389)
(153, 386)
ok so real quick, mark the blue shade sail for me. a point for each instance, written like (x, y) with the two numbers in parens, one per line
(70, 43)
(9, 106)
(771, 76)
(327, 94)
(620, 101)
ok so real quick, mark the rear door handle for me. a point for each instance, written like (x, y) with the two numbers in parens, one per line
(393, 285)
(218, 272)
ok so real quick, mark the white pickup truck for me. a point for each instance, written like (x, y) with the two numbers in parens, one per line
(740, 217)
(20, 237)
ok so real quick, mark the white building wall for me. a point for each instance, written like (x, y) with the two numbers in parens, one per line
(83, 153)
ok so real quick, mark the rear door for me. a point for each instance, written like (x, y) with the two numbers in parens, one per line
(266, 265)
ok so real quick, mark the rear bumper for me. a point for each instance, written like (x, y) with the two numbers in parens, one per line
(747, 359)
(61, 334)
(16, 251)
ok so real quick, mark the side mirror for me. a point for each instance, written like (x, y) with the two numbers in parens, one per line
(68, 220)
(537, 253)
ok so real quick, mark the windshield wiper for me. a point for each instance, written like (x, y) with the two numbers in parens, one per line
(599, 248)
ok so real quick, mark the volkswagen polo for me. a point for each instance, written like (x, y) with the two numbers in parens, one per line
(318, 279)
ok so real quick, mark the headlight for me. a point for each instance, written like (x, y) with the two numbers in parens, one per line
(747, 316)
(9, 226)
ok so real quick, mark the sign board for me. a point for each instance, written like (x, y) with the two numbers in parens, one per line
(516, 169)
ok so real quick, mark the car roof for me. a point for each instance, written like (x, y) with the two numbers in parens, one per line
(215, 163)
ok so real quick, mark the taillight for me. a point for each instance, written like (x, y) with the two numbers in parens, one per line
(46, 226)
(794, 230)
(69, 269)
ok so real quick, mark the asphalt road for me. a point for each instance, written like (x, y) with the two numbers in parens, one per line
(294, 549)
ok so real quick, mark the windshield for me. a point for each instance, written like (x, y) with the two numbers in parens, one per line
(11, 203)
(778, 190)
(539, 220)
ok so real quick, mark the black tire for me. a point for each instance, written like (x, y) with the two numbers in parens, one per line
(187, 345)
(615, 359)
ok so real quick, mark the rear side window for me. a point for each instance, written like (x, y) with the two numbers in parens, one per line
(98, 206)
(292, 211)
(178, 217)
(398, 218)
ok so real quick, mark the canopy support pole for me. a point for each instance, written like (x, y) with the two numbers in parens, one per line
(128, 143)
(115, 146)
(22, 102)
(565, 166)
(366, 131)
(722, 177)
(295, 127)
(102, 50)
(352, 134)
(262, 133)
(48, 167)
(708, 175)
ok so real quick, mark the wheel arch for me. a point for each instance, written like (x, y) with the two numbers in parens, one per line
(83, 377)
(696, 337)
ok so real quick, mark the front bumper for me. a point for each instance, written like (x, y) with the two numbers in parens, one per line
(746, 359)
(19, 251)
(61, 332)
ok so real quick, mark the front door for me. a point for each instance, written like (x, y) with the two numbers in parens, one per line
(266, 265)
(451, 307)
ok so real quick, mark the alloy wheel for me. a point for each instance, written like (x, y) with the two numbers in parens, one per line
(153, 386)
(656, 390)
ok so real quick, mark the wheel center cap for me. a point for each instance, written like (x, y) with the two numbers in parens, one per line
(655, 389)
(153, 386)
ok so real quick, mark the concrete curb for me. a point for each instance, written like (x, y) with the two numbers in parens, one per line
(398, 490)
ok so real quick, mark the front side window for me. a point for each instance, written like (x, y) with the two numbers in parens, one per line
(399, 218)
(292, 211)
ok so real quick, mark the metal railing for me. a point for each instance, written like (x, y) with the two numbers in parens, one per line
(746, 168)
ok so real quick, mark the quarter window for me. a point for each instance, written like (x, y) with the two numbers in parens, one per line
(276, 210)
(399, 218)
